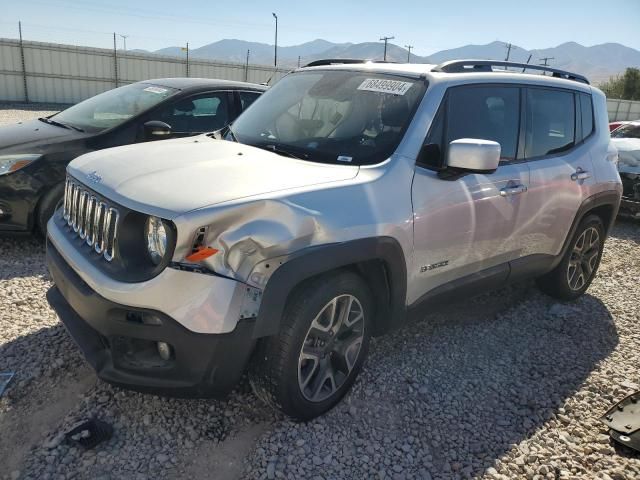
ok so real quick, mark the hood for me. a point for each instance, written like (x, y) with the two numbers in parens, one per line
(628, 154)
(171, 177)
(33, 136)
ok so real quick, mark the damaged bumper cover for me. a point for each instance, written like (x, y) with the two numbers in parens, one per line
(121, 342)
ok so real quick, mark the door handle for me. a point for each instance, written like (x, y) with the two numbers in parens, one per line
(580, 175)
(514, 190)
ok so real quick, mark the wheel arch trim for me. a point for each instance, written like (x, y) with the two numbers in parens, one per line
(323, 259)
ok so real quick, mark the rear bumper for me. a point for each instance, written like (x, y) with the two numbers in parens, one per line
(121, 345)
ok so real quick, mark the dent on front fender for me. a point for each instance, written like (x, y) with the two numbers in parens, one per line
(253, 233)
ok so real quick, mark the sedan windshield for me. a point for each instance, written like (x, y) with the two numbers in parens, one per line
(332, 116)
(630, 130)
(113, 107)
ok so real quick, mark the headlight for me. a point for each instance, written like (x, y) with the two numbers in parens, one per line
(156, 239)
(11, 163)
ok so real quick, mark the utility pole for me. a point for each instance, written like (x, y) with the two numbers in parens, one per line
(545, 61)
(275, 47)
(508, 46)
(124, 39)
(24, 68)
(386, 39)
(298, 61)
(408, 47)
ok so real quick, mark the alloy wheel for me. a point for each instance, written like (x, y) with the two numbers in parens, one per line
(331, 348)
(584, 258)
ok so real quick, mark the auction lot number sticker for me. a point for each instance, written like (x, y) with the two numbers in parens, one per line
(395, 87)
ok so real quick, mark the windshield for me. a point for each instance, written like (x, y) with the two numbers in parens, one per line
(332, 116)
(114, 107)
(630, 130)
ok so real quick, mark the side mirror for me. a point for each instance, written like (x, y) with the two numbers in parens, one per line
(156, 129)
(474, 155)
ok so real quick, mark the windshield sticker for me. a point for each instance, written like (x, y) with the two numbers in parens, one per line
(344, 158)
(395, 87)
(155, 90)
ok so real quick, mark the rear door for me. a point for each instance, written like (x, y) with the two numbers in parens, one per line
(558, 127)
(470, 224)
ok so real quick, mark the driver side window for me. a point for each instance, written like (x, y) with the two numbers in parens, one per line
(475, 111)
(199, 114)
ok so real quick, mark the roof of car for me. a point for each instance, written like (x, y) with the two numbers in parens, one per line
(183, 83)
(436, 71)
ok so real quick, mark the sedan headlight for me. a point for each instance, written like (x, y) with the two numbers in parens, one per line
(12, 163)
(156, 239)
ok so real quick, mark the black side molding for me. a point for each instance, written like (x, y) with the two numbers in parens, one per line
(322, 259)
(603, 199)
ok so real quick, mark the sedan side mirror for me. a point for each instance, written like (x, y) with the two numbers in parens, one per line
(474, 155)
(156, 129)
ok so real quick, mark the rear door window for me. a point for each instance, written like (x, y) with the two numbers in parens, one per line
(247, 98)
(550, 122)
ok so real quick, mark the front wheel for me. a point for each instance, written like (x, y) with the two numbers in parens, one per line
(576, 271)
(324, 339)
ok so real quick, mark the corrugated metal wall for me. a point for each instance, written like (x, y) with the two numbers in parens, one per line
(623, 110)
(68, 74)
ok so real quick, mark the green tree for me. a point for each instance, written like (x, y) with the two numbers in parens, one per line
(625, 87)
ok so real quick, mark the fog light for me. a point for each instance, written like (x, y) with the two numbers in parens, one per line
(164, 350)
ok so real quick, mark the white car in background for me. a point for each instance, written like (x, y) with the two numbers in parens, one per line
(626, 139)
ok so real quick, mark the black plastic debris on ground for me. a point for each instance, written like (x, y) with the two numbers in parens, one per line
(5, 378)
(90, 433)
(623, 420)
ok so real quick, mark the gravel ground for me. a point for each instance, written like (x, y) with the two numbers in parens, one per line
(507, 385)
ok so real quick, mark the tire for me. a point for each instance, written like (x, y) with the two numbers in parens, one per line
(48, 204)
(573, 275)
(305, 384)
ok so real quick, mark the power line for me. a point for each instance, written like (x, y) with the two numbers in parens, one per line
(408, 47)
(545, 61)
(386, 39)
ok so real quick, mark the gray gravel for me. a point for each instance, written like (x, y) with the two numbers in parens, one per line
(508, 385)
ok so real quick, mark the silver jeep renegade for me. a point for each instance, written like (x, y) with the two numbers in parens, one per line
(350, 195)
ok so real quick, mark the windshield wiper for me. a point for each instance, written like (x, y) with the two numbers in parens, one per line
(284, 152)
(53, 122)
(60, 124)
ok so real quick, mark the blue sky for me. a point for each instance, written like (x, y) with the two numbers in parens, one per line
(428, 25)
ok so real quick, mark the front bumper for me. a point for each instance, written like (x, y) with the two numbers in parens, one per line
(121, 345)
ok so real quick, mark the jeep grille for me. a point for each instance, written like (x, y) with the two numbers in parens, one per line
(93, 220)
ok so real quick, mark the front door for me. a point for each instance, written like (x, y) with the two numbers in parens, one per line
(469, 224)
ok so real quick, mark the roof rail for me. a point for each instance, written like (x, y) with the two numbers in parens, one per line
(462, 66)
(341, 61)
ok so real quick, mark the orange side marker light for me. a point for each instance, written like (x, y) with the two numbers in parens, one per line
(201, 253)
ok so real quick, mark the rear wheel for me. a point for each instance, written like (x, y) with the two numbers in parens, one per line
(324, 340)
(576, 271)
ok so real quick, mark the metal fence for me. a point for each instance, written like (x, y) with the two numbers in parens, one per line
(623, 110)
(65, 74)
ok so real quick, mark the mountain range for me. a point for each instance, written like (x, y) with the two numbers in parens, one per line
(598, 62)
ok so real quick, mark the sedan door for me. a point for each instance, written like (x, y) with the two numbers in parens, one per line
(470, 224)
